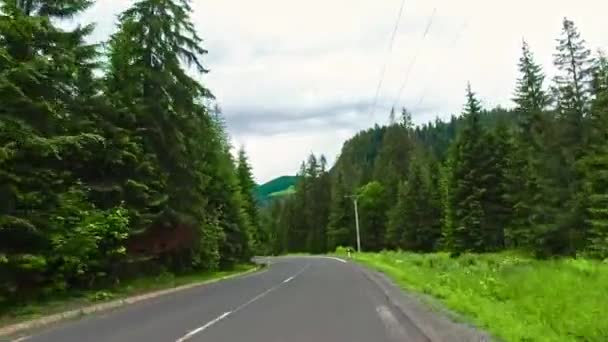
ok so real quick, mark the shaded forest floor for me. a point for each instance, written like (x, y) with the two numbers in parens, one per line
(514, 297)
(17, 312)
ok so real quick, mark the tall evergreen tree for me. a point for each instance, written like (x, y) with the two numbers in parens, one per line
(530, 97)
(247, 186)
(572, 85)
(595, 164)
(497, 197)
(525, 194)
(340, 228)
(391, 165)
(466, 193)
(46, 73)
(181, 143)
(560, 226)
(414, 222)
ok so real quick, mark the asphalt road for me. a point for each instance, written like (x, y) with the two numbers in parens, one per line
(296, 299)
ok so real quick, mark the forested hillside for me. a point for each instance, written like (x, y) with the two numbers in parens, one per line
(112, 163)
(533, 177)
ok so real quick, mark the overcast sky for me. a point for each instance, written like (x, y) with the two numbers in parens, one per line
(300, 76)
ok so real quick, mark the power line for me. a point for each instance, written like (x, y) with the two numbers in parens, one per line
(413, 61)
(386, 57)
(457, 37)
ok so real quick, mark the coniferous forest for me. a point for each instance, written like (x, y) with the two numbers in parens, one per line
(533, 177)
(114, 160)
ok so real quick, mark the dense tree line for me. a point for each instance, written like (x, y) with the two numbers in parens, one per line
(533, 177)
(110, 155)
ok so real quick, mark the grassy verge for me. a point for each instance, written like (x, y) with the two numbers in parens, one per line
(514, 297)
(77, 299)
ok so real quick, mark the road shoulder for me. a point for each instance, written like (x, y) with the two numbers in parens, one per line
(436, 323)
(17, 329)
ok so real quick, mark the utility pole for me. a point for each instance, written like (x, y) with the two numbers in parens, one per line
(356, 222)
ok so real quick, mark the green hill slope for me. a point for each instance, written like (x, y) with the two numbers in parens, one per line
(277, 187)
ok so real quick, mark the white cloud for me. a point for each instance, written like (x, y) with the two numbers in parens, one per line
(275, 62)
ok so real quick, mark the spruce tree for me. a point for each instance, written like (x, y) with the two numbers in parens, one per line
(595, 164)
(340, 228)
(391, 165)
(497, 197)
(530, 97)
(45, 77)
(572, 85)
(524, 180)
(247, 186)
(414, 221)
(560, 225)
(466, 192)
(182, 145)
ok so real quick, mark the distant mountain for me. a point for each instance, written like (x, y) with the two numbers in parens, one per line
(281, 186)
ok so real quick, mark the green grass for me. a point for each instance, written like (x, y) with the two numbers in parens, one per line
(514, 297)
(289, 191)
(78, 299)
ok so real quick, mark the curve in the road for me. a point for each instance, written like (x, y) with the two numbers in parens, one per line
(298, 299)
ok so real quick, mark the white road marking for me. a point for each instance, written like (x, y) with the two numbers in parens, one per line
(198, 330)
(239, 308)
(391, 323)
(21, 339)
(334, 258)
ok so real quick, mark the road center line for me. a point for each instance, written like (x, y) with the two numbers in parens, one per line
(190, 334)
(198, 330)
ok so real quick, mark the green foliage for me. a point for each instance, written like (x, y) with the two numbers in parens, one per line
(507, 293)
(247, 186)
(466, 193)
(530, 178)
(101, 168)
(341, 225)
(273, 187)
(415, 220)
(373, 206)
(595, 166)
(530, 97)
(572, 85)
(289, 191)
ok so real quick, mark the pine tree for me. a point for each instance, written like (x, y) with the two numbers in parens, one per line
(179, 139)
(530, 97)
(391, 165)
(247, 186)
(340, 228)
(466, 193)
(572, 85)
(321, 199)
(45, 77)
(524, 180)
(595, 164)
(497, 197)
(406, 120)
(599, 84)
(560, 228)
(414, 223)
